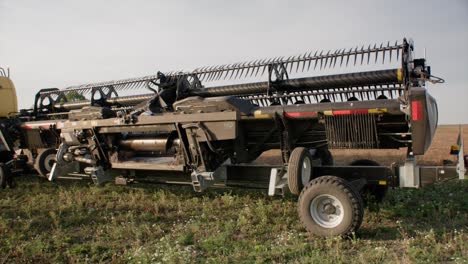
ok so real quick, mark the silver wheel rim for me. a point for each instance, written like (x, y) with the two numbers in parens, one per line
(306, 170)
(49, 162)
(327, 211)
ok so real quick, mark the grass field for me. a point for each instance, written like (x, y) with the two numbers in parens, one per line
(42, 222)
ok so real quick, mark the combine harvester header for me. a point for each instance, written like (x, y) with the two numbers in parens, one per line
(211, 123)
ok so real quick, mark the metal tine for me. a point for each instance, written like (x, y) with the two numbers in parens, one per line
(126, 86)
(254, 67)
(326, 60)
(376, 52)
(289, 63)
(197, 70)
(362, 54)
(332, 58)
(281, 60)
(304, 60)
(347, 56)
(248, 69)
(231, 70)
(237, 70)
(220, 73)
(203, 75)
(263, 70)
(210, 73)
(218, 70)
(397, 51)
(342, 55)
(337, 54)
(234, 69)
(384, 49)
(368, 54)
(316, 60)
(207, 72)
(123, 87)
(390, 51)
(278, 59)
(298, 62)
(258, 68)
(134, 85)
(293, 62)
(355, 55)
(242, 68)
(266, 65)
(310, 60)
(227, 71)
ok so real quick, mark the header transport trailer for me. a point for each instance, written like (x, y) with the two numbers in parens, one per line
(208, 125)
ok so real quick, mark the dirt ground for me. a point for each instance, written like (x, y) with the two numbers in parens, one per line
(445, 136)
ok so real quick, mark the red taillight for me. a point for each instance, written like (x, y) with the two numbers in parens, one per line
(416, 110)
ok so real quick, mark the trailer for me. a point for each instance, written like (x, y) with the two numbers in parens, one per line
(208, 126)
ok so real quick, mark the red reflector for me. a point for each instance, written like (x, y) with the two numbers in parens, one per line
(350, 112)
(300, 114)
(416, 110)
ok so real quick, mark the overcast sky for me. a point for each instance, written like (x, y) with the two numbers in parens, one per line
(61, 43)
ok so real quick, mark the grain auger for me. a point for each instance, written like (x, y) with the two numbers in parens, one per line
(211, 123)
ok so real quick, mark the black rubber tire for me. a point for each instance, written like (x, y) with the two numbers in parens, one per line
(376, 192)
(40, 163)
(295, 164)
(344, 192)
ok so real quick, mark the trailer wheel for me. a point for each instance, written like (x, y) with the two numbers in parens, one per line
(330, 206)
(299, 169)
(377, 192)
(44, 161)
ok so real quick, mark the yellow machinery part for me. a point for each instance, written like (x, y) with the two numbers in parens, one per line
(8, 99)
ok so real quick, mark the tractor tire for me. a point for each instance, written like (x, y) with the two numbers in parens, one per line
(330, 206)
(44, 162)
(299, 169)
(375, 192)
